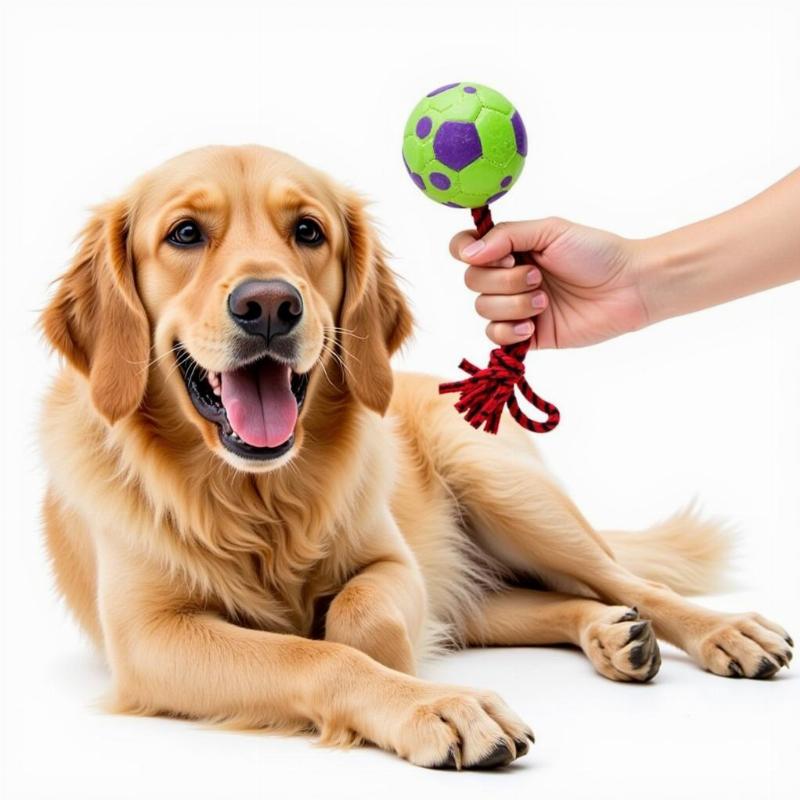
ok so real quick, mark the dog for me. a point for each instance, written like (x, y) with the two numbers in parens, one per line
(260, 524)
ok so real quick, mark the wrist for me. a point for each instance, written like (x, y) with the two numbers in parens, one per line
(669, 271)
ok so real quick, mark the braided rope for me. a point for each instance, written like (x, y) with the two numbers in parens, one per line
(487, 391)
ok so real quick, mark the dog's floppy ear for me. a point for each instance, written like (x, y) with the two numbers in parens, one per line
(96, 320)
(375, 316)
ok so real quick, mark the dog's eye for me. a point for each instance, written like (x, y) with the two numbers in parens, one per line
(308, 232)
(186, 234)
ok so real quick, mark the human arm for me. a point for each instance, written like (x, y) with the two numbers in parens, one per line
(589, 285)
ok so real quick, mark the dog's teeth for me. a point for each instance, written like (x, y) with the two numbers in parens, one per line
(216, 390)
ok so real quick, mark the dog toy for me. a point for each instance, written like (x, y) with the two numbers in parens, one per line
(464, 145)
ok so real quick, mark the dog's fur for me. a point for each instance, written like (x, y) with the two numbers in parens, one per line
(301, 592)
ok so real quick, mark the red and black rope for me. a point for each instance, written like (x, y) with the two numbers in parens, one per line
(487, 391)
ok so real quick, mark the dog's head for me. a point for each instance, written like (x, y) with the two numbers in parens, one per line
(229, 281)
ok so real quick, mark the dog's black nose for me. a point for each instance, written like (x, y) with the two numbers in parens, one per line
(266, 308)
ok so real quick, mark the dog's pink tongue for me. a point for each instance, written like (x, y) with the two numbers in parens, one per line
(259, 402)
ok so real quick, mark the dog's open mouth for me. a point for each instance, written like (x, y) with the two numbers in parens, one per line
(254, 406)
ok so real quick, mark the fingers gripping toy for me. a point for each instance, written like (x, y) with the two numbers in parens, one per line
(464, 145)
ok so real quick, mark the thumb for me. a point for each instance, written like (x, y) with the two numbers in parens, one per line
(513, 237)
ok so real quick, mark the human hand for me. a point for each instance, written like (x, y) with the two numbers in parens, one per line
(584, 287)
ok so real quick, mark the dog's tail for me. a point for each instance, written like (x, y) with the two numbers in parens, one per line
(686, 552)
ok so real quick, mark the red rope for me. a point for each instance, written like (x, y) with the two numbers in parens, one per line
(487, 391)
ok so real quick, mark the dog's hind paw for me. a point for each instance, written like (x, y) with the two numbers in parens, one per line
(744, 646)
(621, 646)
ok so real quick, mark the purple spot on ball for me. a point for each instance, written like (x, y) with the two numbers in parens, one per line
(424, 127)
(457, 144)
(520, 134)
(470, 89)
(439, 180)
(418, 180)
(453, 205)
(495, 197)
(441, 89)
(506, 181)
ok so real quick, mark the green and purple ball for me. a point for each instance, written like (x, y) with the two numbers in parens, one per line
(464, 145)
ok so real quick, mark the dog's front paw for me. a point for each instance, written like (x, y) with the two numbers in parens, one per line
(744, 646)
(621, 646)
(453, 728)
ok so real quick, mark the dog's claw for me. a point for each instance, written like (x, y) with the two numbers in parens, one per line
(500, 756)
(654, 667)
(637, 630)
(736, 670)
(451, 761)
(766, 668)
(629, 615)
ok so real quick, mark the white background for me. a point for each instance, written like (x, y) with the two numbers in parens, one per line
(642, 116)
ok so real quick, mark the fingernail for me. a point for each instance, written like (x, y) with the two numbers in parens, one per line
(524, 328)
(539, 300)
(474, 248)
(533, 277)
(508, 261)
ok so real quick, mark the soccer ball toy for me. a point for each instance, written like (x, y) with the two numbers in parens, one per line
(464, 145)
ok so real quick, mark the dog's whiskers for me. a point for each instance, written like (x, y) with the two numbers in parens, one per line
(345, 331)
(194, 369)
(327, 346)
(179, 362)
(325, 371)
(171, 352)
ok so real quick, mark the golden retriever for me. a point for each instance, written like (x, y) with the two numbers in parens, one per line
(260, 524)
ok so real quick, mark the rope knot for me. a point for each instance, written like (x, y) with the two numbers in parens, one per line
(505, 367)
(484, 394)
